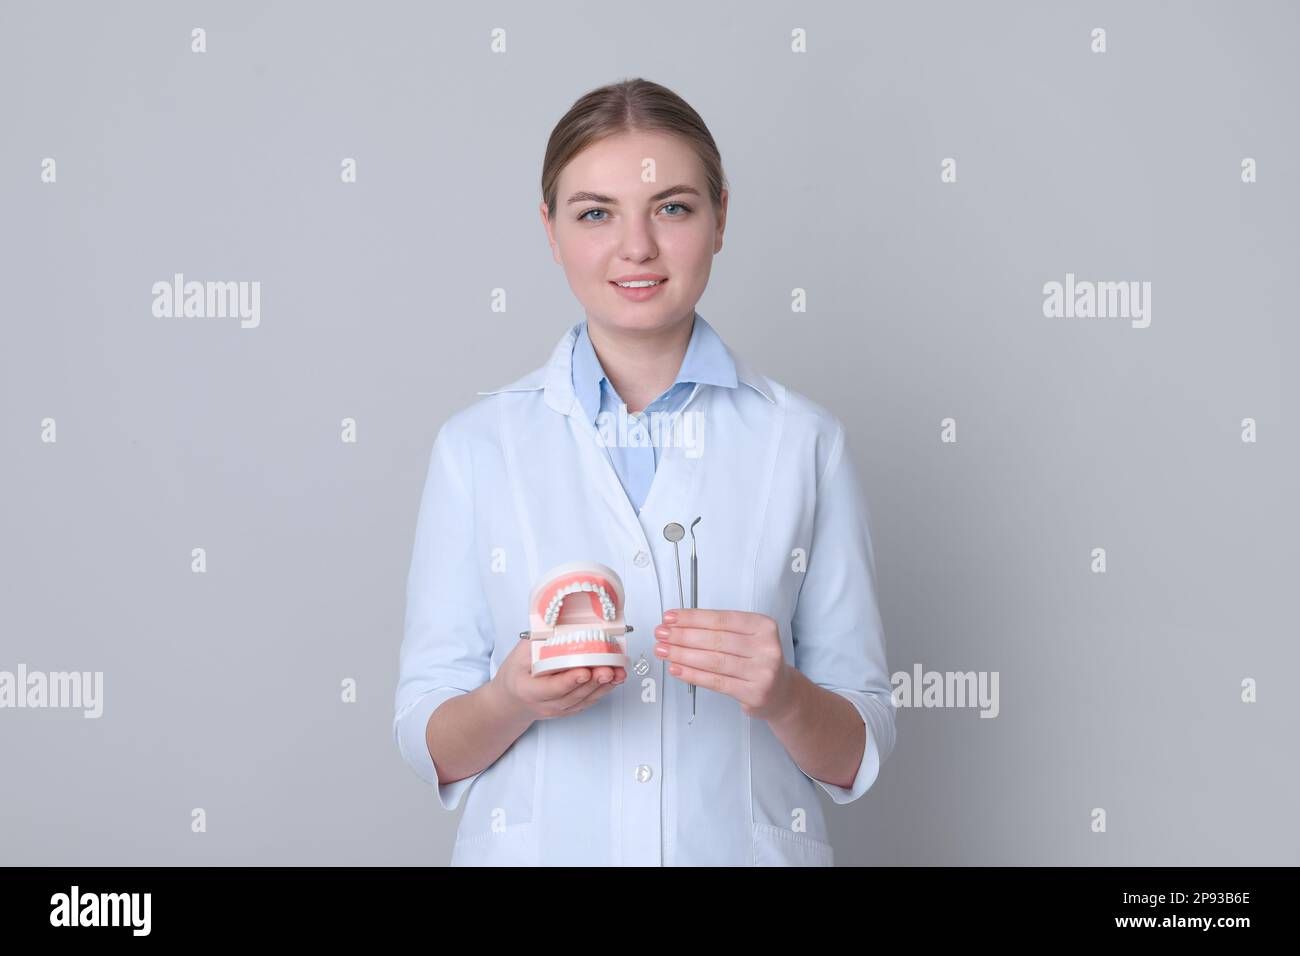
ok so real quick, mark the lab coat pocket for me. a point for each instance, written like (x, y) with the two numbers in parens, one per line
(777, 846)
(501, 806)
(513, 846)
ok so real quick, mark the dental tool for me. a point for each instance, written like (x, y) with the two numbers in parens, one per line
(674, 532)
(695, 598)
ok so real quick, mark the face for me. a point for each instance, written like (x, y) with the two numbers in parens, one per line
(611, 225)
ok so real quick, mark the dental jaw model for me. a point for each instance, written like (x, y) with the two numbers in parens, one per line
(576, 619)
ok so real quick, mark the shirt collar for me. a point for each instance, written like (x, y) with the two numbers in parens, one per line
(555, 378)
(706, 362)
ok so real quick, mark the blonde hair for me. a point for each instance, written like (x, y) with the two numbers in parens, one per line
(634, 105)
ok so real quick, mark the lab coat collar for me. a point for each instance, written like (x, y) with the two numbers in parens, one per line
(556, 376)
(706, 362)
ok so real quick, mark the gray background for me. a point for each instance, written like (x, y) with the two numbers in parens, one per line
(1119, 690)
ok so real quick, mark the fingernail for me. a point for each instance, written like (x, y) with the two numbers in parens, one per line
(662, 632)
(582, 678)
(670, 618)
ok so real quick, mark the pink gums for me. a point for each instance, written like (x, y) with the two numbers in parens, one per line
(584, 647)
(564, 581)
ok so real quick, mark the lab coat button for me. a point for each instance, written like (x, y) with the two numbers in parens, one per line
(643, 772)
(641, 559)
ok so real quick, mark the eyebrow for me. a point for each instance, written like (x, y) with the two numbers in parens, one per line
(610, 200)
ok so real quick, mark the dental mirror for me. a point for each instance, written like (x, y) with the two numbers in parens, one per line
(674, 532)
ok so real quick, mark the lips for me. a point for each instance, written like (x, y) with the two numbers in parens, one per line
(641, 277)
(638, 293)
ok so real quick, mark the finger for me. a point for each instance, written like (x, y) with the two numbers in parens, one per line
(742, 622)
(557, 685)
(602, 675)
(729, 642)
(601, 691)
(579, 694)
(717, 662)
(709, 680)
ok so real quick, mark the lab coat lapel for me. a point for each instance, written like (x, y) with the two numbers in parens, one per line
(556, 380)
(676, 477)
(597, 463)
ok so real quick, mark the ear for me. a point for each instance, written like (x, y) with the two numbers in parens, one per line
(550, 231)
(722, 222)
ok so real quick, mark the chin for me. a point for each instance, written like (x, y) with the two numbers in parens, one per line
(642, 324)
(641, 317)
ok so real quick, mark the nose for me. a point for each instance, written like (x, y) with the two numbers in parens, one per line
(637, 242)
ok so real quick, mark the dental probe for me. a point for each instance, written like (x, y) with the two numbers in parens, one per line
(695, 598)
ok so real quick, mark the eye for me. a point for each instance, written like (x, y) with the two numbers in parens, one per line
(681, 205)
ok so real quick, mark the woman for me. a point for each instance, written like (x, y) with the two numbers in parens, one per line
(786, 651)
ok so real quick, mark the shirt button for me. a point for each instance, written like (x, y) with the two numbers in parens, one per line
(643, 772)
(641, 559)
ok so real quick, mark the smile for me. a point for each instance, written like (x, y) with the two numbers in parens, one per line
(639, 290)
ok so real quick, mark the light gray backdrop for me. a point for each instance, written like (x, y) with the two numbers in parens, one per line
(1120, 691)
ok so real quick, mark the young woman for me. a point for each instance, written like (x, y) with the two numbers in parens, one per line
(599, 765)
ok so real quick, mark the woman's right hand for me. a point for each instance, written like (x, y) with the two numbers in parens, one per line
(557, 694)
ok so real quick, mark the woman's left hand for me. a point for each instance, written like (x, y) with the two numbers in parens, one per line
(737, 653)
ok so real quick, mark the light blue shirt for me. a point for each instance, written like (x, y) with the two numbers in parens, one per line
(635, 457)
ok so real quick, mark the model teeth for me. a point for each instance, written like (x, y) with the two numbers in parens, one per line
(608, 611)
(640, 283)
(577, 637)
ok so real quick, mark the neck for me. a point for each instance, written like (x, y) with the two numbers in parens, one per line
(641, 365)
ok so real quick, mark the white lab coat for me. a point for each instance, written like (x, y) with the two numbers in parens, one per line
(518, 483)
